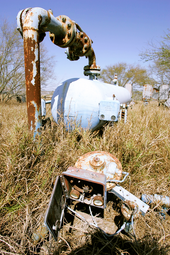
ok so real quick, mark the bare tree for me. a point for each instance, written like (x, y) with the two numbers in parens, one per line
(159, 55)
(12, 72)
(11, 61)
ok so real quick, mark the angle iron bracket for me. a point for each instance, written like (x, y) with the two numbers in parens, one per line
(125, 195)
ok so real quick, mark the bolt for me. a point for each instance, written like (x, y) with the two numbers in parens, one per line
(85, 39)
(81, 35)
(63, 19)
(69, 26)
(96, 159)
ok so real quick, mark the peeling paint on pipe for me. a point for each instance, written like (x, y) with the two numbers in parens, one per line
(32, 23)
(32, 77)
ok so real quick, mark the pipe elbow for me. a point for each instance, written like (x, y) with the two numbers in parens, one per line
(34, 19)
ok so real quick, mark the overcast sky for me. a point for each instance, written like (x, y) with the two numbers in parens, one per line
(120, 29)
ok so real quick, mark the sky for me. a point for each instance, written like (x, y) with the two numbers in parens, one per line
(120, 30)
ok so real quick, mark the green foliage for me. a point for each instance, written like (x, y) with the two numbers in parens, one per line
(12, 71)
(133, 74)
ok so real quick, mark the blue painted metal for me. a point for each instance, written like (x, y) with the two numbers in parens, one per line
(109, 110)
(156, 199)
(43, 106)
(78, 101)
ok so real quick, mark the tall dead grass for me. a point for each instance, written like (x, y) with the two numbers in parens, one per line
(28, 170)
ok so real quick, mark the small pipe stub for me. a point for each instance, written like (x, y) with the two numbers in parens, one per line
(92, 72)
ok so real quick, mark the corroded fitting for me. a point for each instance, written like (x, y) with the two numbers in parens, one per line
(97, 163)
(98, 200)
(66, 35)
(74, 194)
(128, 209)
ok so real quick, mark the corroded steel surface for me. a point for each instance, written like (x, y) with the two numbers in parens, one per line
(78, 42)
(98, 200)
(66, 34)
(32, 77)
(80, 46)
(128, 209)
(85, 175)
(101, 162)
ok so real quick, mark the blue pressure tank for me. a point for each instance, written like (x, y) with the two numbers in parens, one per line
(90, 103)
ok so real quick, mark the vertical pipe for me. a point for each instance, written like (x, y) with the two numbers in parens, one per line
(32, 77)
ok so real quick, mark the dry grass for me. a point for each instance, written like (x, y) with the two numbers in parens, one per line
(29, 169)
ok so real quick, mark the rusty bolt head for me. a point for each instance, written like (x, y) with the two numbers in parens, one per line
(81, 34)
(63, 19)
(96, 159)
(85, 39)
(69, 26)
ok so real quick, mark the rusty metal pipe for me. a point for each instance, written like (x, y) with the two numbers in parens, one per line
(39, 19)
(32, 24)
(32, 77)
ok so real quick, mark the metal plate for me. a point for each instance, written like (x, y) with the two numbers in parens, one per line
(109, 110)
(55, 211)
(125, 195)
(147, 92)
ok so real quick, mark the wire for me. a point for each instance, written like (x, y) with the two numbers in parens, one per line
(95, 224)
(78, 215)
(119, 181)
